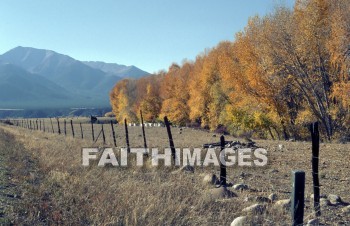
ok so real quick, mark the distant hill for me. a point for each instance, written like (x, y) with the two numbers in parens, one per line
(117, 69)
(57, 79)
(21, 88)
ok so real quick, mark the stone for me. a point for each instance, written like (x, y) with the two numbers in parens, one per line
(239, 221)
(254, 209)
(262, 199)
(324, 202)
(250, 145)
(346, 209)
(249, 199)
(240, 187)
(219, 193)
(210, 179)
(334, 199)
(321, 196)
(214, 135)
(313, 222)
(187, 168)
(284, 203)
(273, 197)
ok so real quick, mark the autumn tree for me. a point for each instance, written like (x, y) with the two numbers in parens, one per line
(151, 104)
(120, 101)
(175, 93)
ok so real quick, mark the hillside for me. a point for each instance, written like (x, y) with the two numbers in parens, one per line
(19, 87)
(56, 80)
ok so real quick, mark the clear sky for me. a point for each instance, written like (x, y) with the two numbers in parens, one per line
(150, 34)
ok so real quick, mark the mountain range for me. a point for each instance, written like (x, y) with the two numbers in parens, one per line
(38, 78)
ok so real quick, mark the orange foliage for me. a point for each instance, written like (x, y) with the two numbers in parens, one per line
(282, 71)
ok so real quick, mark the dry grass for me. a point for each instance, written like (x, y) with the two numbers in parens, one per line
(61, 191)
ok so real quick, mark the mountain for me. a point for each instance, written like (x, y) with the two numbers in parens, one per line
(60, 77)
(21, 88)
(117, 69)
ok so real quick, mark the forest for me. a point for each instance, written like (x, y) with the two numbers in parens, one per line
(283, 71)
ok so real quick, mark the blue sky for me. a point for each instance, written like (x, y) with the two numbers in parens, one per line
(150, 34)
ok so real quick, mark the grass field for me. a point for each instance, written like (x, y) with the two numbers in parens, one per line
(54, 188)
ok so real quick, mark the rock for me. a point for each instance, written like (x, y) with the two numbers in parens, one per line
(210, 179)
(234, 143)
(324, 202)
(219, 193)
(262, 199)
(346, 209)
(280, 146)
(273, 197)
(334, 199)
(214, 135)
(240, 187)
(187, 168)
(249, 199)
(180, 132)
(313, 222)
(284, 203)
(254, 209)
(321, 196)
(250, 145)
(239, 221)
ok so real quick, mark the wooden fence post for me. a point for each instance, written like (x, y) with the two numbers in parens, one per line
(315, 136)
(92, 131)
(298, 197)
(44, 125)
(65, 127)
(81, 130)
(103, 134)
(222, 166)
(171, 142)
(127, 135)
(113, 134)
(53, 131)
(58, 126)
(40, 125)
(71, 124)
(143, 131)
(30, 122)
(37, 125)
